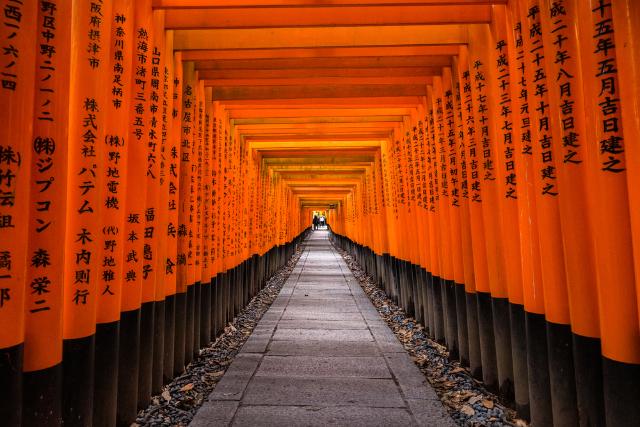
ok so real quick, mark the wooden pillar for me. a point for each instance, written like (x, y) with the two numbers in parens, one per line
(605, 161)
(474, 255)
(87, 130)
(112, 236)
(134, 208)
(33, 176)
(183, 356)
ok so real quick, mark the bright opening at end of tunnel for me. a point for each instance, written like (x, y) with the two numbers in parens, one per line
(177, 176)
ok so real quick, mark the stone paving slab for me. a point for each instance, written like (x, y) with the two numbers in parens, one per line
(321, 324)
(323, 348)
(329, 367)
(318, 334)
(320, 315)
(318, 416)
(379, 393)
(322, 355)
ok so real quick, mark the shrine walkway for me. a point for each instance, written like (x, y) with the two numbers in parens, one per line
(322, 355)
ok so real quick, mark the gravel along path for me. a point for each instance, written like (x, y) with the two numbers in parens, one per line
(180, 399)
(467, 401)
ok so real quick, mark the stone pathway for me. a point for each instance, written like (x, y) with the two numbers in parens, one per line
(322, 355)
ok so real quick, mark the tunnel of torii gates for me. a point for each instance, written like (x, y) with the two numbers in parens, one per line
(159, 160)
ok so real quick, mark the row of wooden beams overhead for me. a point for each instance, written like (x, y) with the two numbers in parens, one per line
(315, 87)
(181, 4)
(326, 16)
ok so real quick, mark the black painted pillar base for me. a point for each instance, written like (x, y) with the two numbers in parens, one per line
(424, 279)
(77, 381)
(451, 331)
(42, 398)
(487, 342)
(538, 370)
(11, 384)
(145, 366)
(213, 301)
(169, 338)
(461, 321)
(205, 314)
(431, 306)
(180, 333)
(587, 354)
(159, 328)
(562, 379)
(621, 381)
(188, 331)
(519, 356)
(105, 395)
(473, 332)
(197, 300)
(128, 359)
(438, 310)
(502, 334)
(419, 295)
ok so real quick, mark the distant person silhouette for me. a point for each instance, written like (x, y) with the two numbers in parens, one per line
(316, 221)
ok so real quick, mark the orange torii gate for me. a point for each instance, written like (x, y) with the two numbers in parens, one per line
(160, 160)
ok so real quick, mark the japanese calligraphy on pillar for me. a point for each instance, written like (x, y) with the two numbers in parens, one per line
(470, 129)
(48, 160)
(165, 286)
(564, 67)
(115, 171)
(150, 246)
(506, 129)
(139, 118)
(482, 110)
(86, 135)
(535, 57)
(440, 164)
(432, 163)
(606, 72)
(186, 142)
(173, 172)
(523, 92)
(47, 209)
(18, 27)
(450, 150)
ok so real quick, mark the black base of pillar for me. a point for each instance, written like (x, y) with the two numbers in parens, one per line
(519, 356)
(538, 370)
(11, 381)
(197, 301)
(502, 334)
(145, 365)
(587, 354)
(562, 380)
(188, 331)
(169, 337)
(105, 395)
(621, 382)
(42, 398)
(438, 310)
(475, 356)
(461, 321)
(159, 329)
(128, 358)
(77, 381)
(487, 341)
(451, 332)
(205, 314)
(180, 333)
